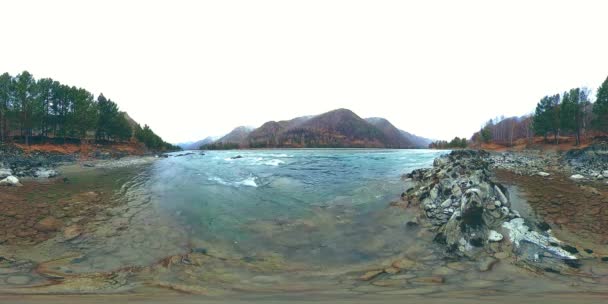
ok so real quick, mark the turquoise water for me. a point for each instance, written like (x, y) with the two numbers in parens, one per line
(299, 203)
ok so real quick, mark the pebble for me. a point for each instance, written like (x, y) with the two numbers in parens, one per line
(72, 232)
(403, 276)
(391, 270)
(18, 280)
(429, 280)
(459, 266)
(443, 271)
(403, 263)
(389, 283)
(370, 275)
(48, 224)
(495, 236)
(487, 263)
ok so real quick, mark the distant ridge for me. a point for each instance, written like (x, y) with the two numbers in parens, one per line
(339, 128)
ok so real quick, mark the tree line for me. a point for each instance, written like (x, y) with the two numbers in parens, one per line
(570, 113)
(455, 143)
(48, 110)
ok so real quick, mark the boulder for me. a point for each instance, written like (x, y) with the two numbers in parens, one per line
(605, 173)
(538, 249)
(10, 181)
(543, 174)
(577, 177)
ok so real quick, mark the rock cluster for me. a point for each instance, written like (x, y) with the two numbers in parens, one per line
(13, 161)
(461, 201)
(590, 162)
(469, 212)
(523, 163)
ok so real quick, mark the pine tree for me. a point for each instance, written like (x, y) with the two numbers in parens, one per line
(25, 102)
(600, 108)
(5, 104)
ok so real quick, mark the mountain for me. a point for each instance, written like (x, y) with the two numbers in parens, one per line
(417, 141)
(194, 145)
(394, 136)
(236, 136)
(339, 128)
(334, 129)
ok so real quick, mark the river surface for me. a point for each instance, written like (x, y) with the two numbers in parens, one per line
(259, 223)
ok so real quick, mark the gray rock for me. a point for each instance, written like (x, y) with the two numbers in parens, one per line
(10, 181)
(577, 177)
(45, 173)
(495, 236)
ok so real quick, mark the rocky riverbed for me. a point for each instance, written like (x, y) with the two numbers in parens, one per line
(460, 225)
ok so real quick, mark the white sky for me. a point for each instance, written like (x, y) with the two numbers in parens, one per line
(195, 68)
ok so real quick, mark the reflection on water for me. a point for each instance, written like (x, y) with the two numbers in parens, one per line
(313, 221)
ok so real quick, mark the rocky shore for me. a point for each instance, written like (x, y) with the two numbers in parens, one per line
(471, 213)
(16, 164)
(589, 163)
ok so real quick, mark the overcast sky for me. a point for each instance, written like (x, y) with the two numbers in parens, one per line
(191, 69)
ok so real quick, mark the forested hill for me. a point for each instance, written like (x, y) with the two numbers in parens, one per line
(45, 110)
(339, 128)
(572, 117)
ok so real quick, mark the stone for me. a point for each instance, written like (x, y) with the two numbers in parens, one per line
(501, 196)
(495, 236)
(487, 263)
(543, 174)
(403, 263)
(45, 173)
(605, 173)
(391, 270)
(447, 203)
(459, 266)
(501, 255)
(389, 283)
(429, 280)
(577, 177)
(370, 275)
(443, 271)
(48, 224)
(403, 276)
(18, 280)
(10, 181)
(72, 232)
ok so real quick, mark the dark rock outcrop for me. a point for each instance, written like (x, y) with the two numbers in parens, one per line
(471, 213)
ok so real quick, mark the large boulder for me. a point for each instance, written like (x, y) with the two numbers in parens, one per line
(10, 181)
